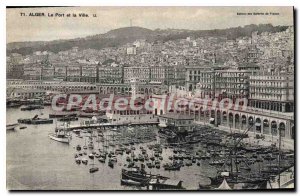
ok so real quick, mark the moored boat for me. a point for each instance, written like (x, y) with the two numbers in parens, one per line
(35, 120)
(129, 182)
(12, 126)
(32, 107)
(60, 135)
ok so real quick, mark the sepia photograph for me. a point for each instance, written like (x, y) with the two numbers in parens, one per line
(150, 98)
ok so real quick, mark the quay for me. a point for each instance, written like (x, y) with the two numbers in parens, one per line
(286, 180)
(107, 125)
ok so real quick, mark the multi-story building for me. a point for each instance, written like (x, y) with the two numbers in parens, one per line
(14, 71)
(232, 83)
(110, 74)
(158, 74)
(163, 74)
(74, 73)
(179, 75)
(60, 72)
(141, 74)
(193, 76)
(32, 72)
(89, 73)
(48, 73)
(272, 91)
(206, 85)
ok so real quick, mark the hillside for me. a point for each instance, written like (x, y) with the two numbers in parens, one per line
(125, 35)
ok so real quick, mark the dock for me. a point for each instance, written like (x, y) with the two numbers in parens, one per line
(286, 180)
(108, 125)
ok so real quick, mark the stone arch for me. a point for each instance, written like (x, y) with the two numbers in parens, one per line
(212, 113)
(282, 129)
(206, 114)
(218, 118)
(258, 125)
(244, 122)
(266, 126)
(251, 123)
(212, 117)
(201, 114)
(224, 118)
(230, 118)
(237, 121)
(274, 128)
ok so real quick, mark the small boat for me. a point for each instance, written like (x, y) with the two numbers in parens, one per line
(77, 160)
(189, 163)
(172, 167)
(62, 115)
(67, 119)
(91, 156)
(91, 146)
(60, 136)
(141, 158)
(111, 163)
(32, 107)
(101, 159)
(94, 169)
(13, 105)
(128, 159)
(129, 182)
(114, 159)
(78, 147)
(84, 161)
(12, 126)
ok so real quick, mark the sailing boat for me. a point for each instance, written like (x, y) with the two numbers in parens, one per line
(224, 186)
(60, 135)
(231, 176)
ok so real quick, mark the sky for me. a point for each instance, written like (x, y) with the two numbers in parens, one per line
(46, 28)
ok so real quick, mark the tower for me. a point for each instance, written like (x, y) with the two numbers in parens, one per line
(133, 82)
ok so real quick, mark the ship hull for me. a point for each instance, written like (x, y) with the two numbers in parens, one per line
(62, 140)
(11, 126)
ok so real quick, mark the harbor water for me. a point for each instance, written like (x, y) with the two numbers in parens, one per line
(35, 162)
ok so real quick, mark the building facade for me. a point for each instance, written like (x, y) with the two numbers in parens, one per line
(272, 91)
(141, 74)
(111, 74)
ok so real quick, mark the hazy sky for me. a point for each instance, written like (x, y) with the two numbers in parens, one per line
(44, 28)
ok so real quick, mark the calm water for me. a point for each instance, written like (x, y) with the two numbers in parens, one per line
(36, 162)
